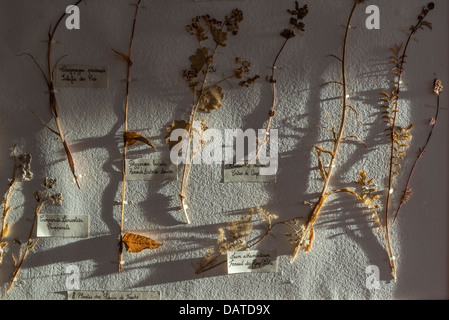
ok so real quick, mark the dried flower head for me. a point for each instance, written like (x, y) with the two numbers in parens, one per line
(437, 87)
(49, 183)
(24, 166)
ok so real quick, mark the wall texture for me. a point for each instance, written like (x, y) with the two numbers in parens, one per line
(345, 241)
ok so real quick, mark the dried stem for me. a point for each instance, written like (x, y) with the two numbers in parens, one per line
(393, 127)
(49, 79)
(129, 138)
(407, 191)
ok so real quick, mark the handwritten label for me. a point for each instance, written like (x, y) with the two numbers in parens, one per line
(113, 295)
(151, 169)
(246, 173)
(62, 225)
(79, 76)
(252, 261)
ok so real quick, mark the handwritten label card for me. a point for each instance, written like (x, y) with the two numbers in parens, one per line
(63, 225)
(151, 169)
(113, 295)
(252, 261)
(246, 173)
(79, 76)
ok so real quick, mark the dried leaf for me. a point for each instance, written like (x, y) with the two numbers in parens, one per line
(177, 124)
(136, 243)
(220, 37)
(211, 98)
(198, 60)
(124, 57)
(287, 34)
(131, 138)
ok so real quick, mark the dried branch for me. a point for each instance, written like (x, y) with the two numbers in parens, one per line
(21, 172)
(42, 198)
(399, 137)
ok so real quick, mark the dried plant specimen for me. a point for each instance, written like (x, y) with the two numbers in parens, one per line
(211, 35)
(21, 172)
(43, 198)
(302, 232)
(296, 25)
(235, 237)
(407, 193)
(53, 103)
(129, 138)
(399, 137)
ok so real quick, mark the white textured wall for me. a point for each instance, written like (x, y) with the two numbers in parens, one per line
(344, 245)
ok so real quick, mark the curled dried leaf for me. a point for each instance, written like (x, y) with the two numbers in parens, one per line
(177, 124)
(198, 60)
(131, 138)
(135, 243)
(220, 37)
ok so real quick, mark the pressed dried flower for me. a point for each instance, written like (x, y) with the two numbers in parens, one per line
(437, 87)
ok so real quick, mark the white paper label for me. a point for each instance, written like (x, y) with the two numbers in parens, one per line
(252, 261)
(63, 225)
(113, 295)
(151, 169)
(81, 76)
(246, 173)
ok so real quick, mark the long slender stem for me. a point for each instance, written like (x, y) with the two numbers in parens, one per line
(125, 148)
(420, 154)
(391, 255)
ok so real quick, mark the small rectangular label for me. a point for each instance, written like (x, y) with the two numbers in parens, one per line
(63, 225)
(151, 169)
(252, 261)
(113, 295)
(246, 173)
(80, 76)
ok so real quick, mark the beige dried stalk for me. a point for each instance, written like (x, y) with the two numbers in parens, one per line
(42, 198)
(207, 97)
(21, 172)
(129, 138)
(399, 137)
(53, 103)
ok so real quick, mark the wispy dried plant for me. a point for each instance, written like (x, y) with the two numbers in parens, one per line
(400, 137)
(21, 172)
(296, 25)
(43, 198)
(303, 233)
(235, 237)
(211, 34)
(53, 103)
(131, 241)
(407, 193)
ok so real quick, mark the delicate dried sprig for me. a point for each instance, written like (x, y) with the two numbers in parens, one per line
(399, 137)
(53, 103)
(42, 198)
(235, 237)
(296, 24)
(21, 172)
(206, 97)
(129, 138)
(407, 193)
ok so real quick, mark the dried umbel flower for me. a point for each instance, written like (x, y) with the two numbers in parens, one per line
(49, 183)
(437, 87)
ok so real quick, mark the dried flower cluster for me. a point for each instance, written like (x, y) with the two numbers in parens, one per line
(208, 95)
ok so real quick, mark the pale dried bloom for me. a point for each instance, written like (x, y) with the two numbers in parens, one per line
(432, 121)
(24, 166)
(49, 183)
(57, 199)
(437, 87)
